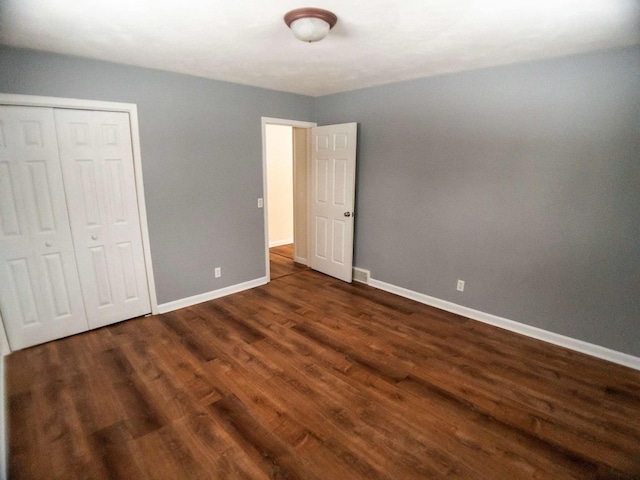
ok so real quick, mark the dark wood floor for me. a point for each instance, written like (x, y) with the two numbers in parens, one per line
(281, 261)
(311, 378)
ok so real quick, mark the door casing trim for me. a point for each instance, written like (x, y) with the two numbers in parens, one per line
(289, 123)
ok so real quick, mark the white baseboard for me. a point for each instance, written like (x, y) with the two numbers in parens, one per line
(279, 243)
(205, 297)
(361, 275)
(533, 332)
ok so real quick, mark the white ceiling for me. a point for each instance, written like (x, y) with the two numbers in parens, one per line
(374, 42)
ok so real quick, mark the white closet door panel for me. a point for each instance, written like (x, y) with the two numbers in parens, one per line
(97, 165)
(40, 294)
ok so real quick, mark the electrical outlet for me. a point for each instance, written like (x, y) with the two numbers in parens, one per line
(460, 286)
(260, 203)
(217, 272)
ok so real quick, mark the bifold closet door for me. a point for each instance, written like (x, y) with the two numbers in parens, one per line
(40, 294)
(97, 167)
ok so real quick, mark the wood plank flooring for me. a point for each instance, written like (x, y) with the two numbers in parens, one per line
(281, 261)
(283, 250)
(311, 378)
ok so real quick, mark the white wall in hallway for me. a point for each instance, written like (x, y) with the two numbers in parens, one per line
(279, 149)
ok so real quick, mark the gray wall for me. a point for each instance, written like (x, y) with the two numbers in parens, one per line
(523, 180)
(201, 153)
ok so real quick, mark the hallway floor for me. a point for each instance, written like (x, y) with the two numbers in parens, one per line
(281, 261)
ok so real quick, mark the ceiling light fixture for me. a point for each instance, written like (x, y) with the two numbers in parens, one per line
(310, 24)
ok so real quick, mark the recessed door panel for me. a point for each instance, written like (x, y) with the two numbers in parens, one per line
(322, 180)
(57, 285)
(340, 182)
(101, 276)
(110, 134)
(25, 289)
(86, 175)
(322, 231)
(8, 204)
(341, 141)
(322, 142)
(79, 133)
(116, 187)
(32, 133)
(125, 254)
(39, 179)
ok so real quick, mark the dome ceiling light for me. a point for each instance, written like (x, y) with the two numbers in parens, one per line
(310, 24)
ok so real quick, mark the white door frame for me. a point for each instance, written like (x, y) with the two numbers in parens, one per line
(132, 110)
(290, 123)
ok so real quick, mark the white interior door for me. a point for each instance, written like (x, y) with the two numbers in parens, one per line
(97, 167)
(333, 169)
(40, 294)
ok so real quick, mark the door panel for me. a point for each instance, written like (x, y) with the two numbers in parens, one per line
(97, 165)
(40, 293)
(86, 177)
(22, 283)
(332, 199)
(322, 181)
(321, 237)
(101, 272)
(125, 256)
(8, 206)
(115, 185)
(338, 241)
(56, 284)
(340, 186)
(39, 180)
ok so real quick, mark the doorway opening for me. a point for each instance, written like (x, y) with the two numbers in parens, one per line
(286, 155)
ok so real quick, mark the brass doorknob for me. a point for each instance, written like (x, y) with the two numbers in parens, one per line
(347, 214)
